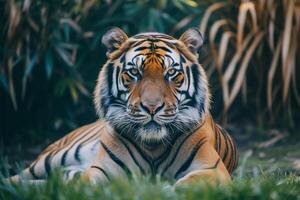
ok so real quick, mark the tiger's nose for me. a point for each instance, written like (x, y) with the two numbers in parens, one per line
(152, 107)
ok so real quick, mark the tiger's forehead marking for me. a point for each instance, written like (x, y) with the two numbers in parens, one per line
(153, 51)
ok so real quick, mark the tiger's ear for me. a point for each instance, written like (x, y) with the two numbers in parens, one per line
(193, 39)
(113, 39)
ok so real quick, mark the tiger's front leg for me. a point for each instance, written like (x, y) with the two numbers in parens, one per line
(212, 176)
(207, 166)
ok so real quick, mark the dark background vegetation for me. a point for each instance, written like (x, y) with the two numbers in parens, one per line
(51, 53)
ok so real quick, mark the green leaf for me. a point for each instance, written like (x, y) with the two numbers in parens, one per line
(49, 64)
(31, 64)
(66, 29)
(3, 82)
(27, 72)
(65, 55)
(73, 92)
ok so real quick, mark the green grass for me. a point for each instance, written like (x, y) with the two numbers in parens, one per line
(270, 186)
(262, 174)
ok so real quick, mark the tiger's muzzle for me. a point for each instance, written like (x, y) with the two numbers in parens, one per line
(152, 101)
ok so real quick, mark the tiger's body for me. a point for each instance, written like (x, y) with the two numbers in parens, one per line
(153, 100)
(77, 151)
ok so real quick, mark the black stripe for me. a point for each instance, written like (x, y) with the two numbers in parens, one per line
(197, 84)
(47, 164)
(131, 154)
(235, 153)
(178, 149)
(230, 165)
(31, 170)
(219, 141)
(123, 58)
(137, 44)
(188, 73)
(176, 153)
(154, 40)
(216, 138)
(163, 48)
(171, 45)
(162, 157)
(116, 159)
(143, 155)
(77, 151)
(77, 155)
(102, 170)
(182, 59)
(117, 76)
(106, 91)
(215, 165)
(175, 64)
(142, 48)
(64, 156)
(152, 48)
(177, 98)
(189, 160)
(226, 143)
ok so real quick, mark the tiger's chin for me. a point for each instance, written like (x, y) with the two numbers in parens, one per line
(152, 133)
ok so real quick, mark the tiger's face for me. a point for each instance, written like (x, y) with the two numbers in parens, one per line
(152, 87)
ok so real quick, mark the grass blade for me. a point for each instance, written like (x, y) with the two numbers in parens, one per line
(290, 66)
(245, 7)
(208, 13)
(287, 33)
(271, 73)
(11, 84)
(183, 23)
(215, 28)
(245, 63)
(226, 36)
(233, 63)
(271, 8)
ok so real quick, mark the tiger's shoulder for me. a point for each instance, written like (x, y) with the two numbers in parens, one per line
(93, 129)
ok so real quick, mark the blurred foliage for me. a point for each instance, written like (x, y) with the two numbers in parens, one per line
(254, 46)
(50, 55)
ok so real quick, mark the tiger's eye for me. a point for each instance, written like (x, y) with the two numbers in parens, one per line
(171, 71)
(134, 71)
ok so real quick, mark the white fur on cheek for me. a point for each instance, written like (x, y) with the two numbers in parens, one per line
(190, 115)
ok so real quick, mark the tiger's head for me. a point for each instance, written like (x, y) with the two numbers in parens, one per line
(152, 86)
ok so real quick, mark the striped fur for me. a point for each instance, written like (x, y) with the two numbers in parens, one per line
(153, 100)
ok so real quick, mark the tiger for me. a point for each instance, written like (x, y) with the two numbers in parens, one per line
(153, 101)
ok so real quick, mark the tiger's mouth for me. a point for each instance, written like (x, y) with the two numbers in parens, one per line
(151, 127)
